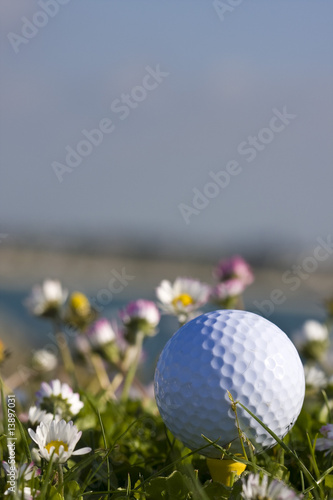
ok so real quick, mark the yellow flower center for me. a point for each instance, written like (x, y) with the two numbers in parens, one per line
(56, 445)
(79, 303)
(184, 299)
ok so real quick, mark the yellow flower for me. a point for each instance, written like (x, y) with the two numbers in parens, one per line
(80, 314)
(79, 304)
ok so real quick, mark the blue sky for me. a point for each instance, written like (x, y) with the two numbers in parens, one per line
(224, 80)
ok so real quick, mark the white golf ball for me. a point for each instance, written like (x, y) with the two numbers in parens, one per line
(234, 351)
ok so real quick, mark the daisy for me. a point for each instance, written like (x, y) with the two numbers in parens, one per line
(183, 297)
(37, 415)
(57, 440)
(140, 316)
(312, 339)
(254, 488)
(59, 399)
(43, 360)
(100, 333)
(46, 299)
(25, 471)
(28, 494)
(234, 267)
(314, 377)
(311, 331)
(326, 442)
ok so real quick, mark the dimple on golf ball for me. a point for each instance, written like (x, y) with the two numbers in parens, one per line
(234, 351)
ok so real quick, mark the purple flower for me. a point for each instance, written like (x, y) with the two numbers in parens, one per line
(326, 443)
(140, 315)
(143, 309)
(234, 267)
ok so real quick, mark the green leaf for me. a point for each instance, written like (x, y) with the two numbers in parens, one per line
(216, 491)
(72, 490)
(53, 494)
(329, 481)
(168, 488)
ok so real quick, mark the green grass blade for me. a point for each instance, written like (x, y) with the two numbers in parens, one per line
(312, 452)
(330, 415)
(242, 460)
(320, 480)
(307, 473)
(24, 434)
(4, 408)
(104, 441)
(176, 462)
(46, 479)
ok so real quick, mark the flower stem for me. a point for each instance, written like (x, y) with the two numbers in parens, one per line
(60, 480)
(65, 354)
(116, 382)
(100, 371)
(133, 367)
(240, 434)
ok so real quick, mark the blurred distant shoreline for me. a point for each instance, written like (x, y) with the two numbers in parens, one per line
(89, 267)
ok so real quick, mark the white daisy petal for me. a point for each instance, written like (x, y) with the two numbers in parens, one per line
(59, 399)
(183, 297)
(57, 440)
(255, 487)
(82, 451)
(46, 299)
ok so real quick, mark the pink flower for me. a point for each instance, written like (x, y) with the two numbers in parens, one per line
(141, 309)
(234, 267)
(140, 315)
(227, 289)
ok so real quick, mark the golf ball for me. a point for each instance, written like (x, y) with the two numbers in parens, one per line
(234, 351)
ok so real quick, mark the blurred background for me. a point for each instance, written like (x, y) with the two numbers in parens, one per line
(117, 116)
